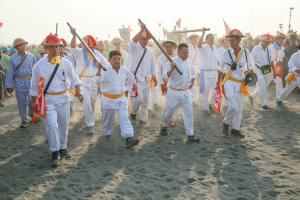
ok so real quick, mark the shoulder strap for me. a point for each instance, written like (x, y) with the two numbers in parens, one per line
(246, 57)
(20, 63)
(268, 56)
(138, 66)
(51, 78)
(230, 56)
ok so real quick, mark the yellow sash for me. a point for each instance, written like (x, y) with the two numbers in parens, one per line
(83, 71)
(291, 77)
(243, 88)
(113, 96)
(57, 93)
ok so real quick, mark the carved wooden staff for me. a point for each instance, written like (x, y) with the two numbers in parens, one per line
(88, 49)
(162, 49)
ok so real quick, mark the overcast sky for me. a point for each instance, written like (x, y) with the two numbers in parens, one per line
(34, 19)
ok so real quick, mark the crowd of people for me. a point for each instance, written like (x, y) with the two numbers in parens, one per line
(130, 77)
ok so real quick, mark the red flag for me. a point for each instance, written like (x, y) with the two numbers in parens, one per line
(227, 28)
(41, 107)
(218, 100)
(1, 24)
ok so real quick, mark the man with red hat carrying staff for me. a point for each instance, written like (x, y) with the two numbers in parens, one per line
(262, 57)
(141, 64)
(86, 69)
(19, 74)
(56, 95)
(236, 61)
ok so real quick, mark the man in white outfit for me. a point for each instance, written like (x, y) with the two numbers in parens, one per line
(141, 64)
(162, 62)
(115, 84)
(293, 78)
(208, 70)
(262, 57)
(57, 96)
(194, 57)
(86, 69)
(179, 92)
(236, 61)
(277, 51)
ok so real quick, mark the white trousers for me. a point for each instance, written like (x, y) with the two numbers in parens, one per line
(89, 91)
(288, 89)
(263, 81)
(155, 97)
(142, 100)
(121, 107)
(233, 115)
(180, 99)
(57, 121)
(209, 93)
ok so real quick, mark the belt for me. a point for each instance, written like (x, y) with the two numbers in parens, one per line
(23, 77)
(56, 93)
(113, 96)
(235, 80)
(91, 76)
(243, 87)
(177, 89)
(208, 70)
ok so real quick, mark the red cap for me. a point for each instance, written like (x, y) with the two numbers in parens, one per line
(52, 40)
(235, 33)
(267, 37)
(90, 41)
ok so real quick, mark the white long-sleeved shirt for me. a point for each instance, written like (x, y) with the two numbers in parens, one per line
(177, 81)
(208, 58)
(220, 53)
(114, 82)
(162, 61)
(242, 66)
(262, 56)
(194, 57)
(80, 63)
(147, 68)
(64, 79)
(294, 62)
(277, 54)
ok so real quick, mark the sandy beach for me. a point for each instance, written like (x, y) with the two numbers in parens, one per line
(263, 165)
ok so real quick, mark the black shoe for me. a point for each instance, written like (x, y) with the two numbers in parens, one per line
(236, 133)
(163, 131)
(192, 139)
(225, 129)
(23, 124)
(55, 159)
(64, 154)
(130, 142)
(265, 108)
(133, 116)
